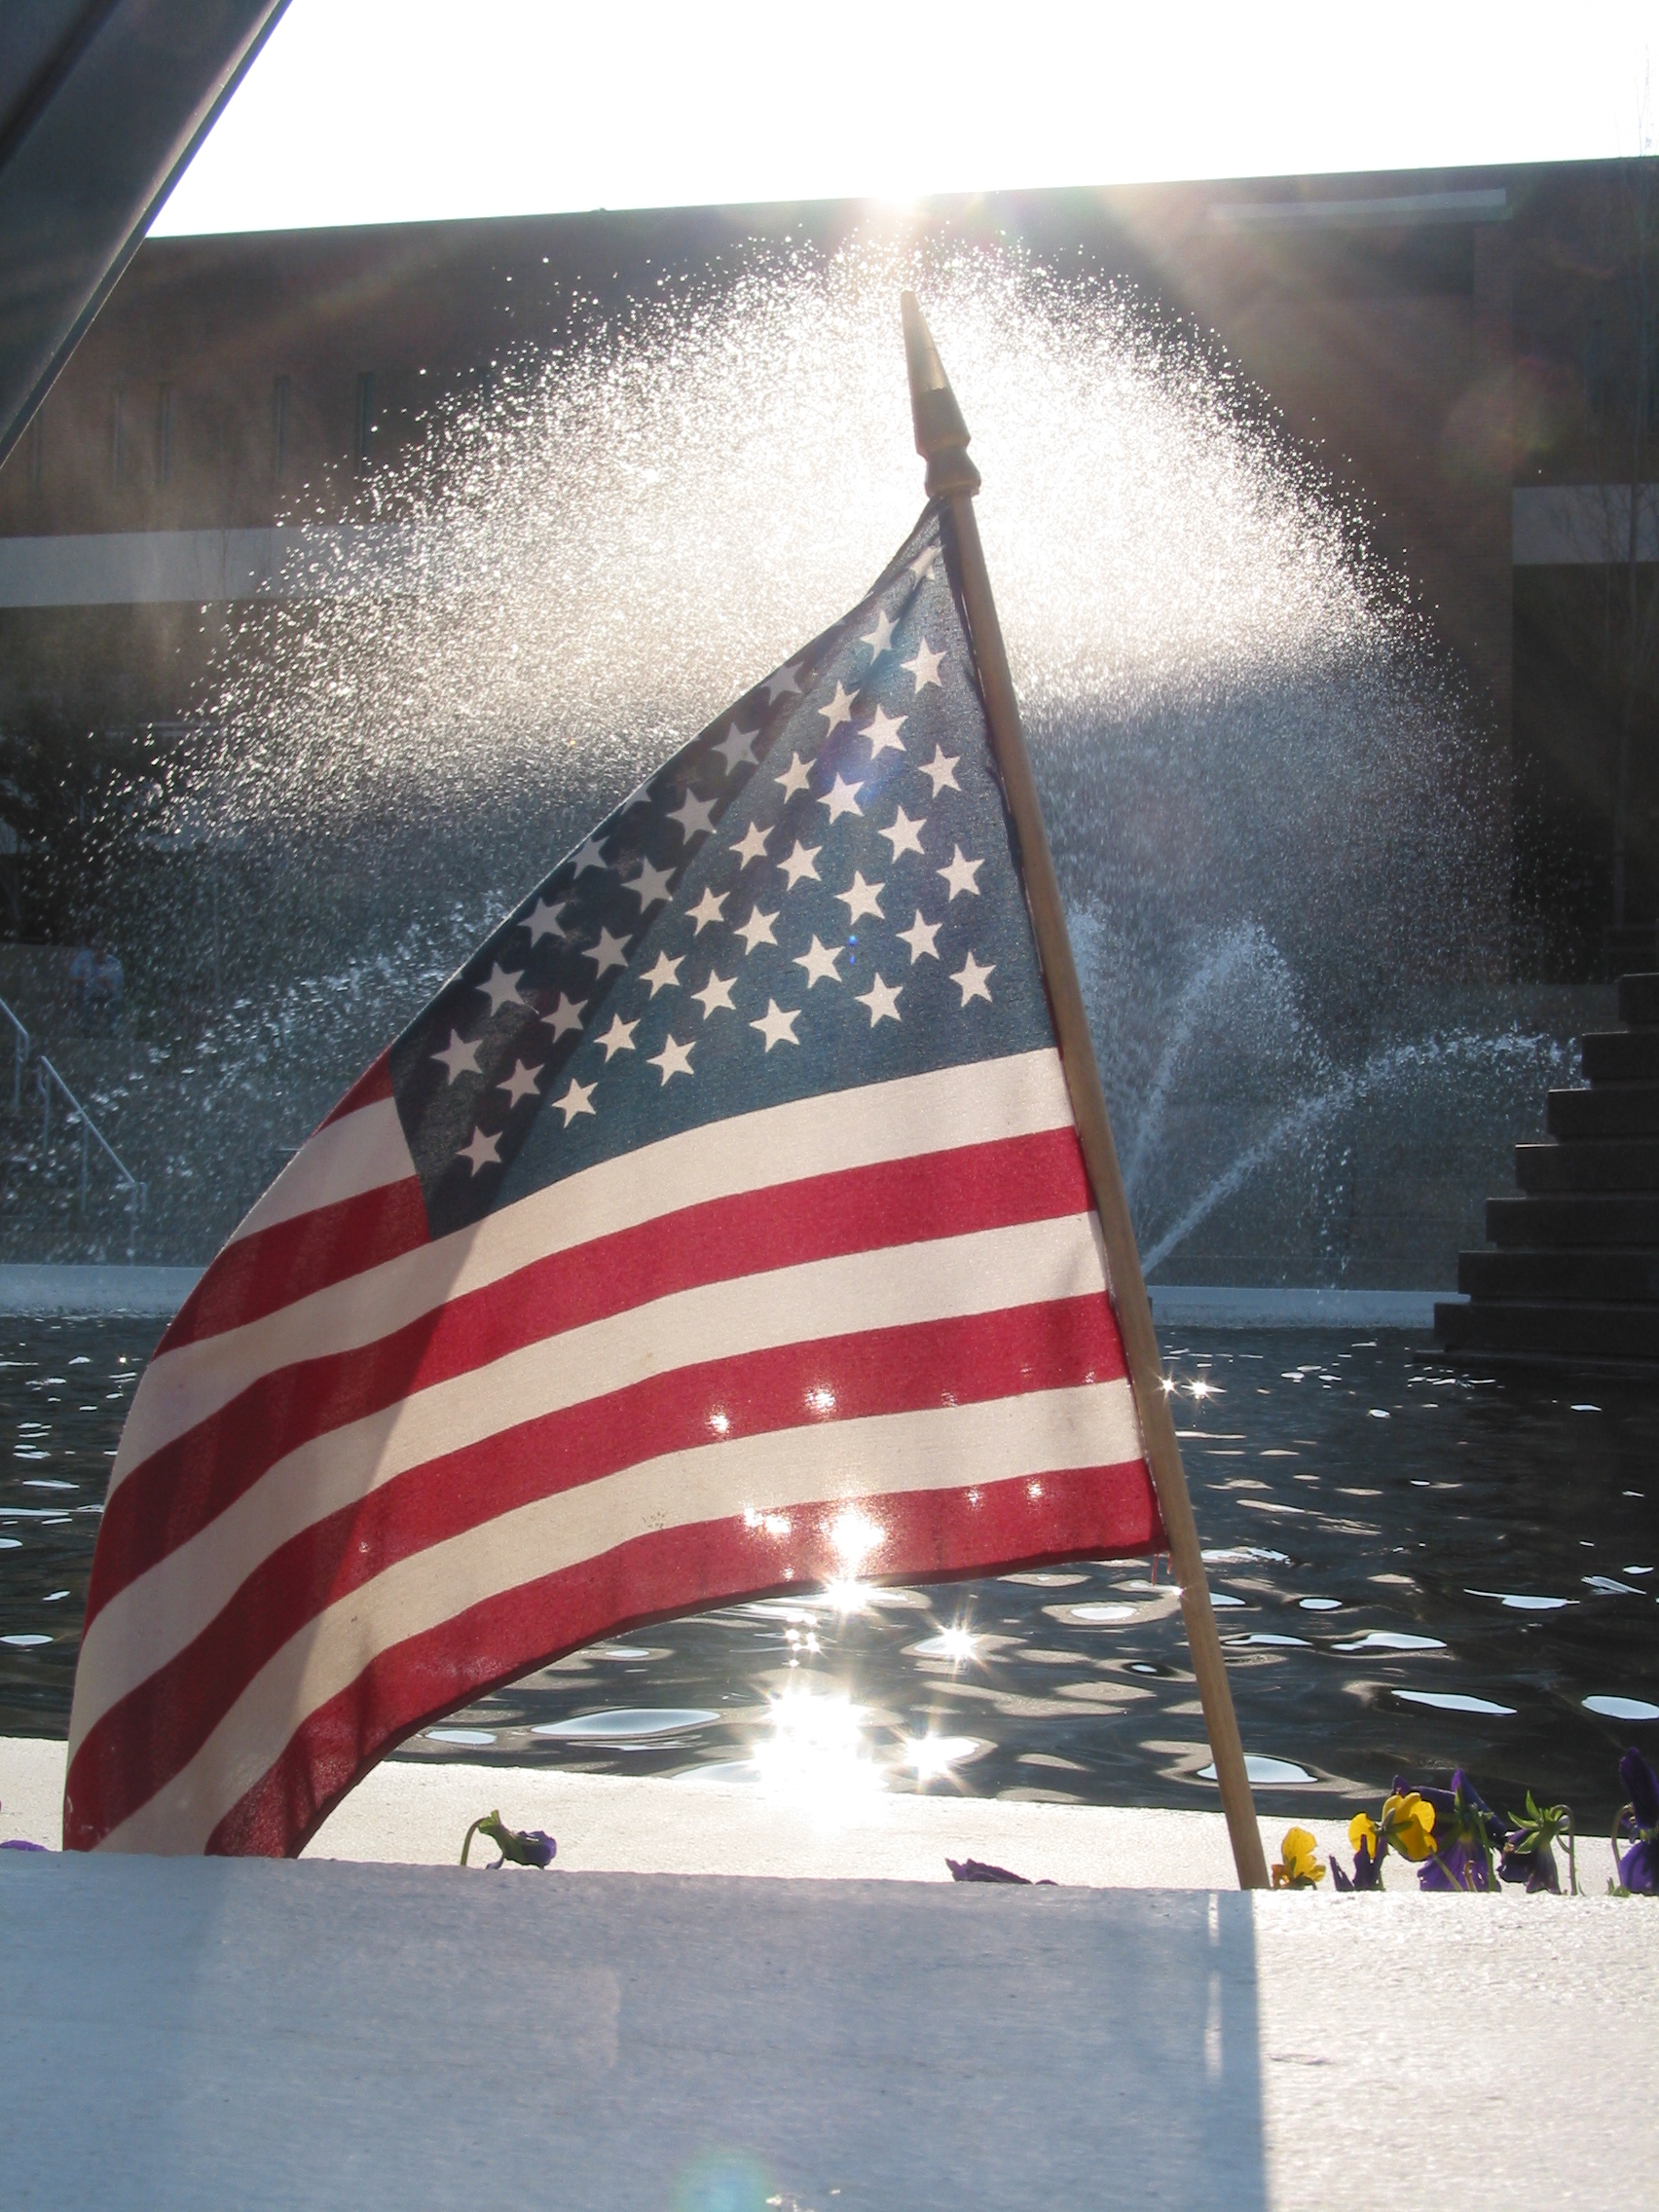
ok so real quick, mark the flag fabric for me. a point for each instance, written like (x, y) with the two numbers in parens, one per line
(720, 1228)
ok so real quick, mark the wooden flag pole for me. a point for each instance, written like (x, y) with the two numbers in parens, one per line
(942, 439)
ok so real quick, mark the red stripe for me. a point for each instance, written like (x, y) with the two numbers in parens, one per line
(1095, 1513)
(185, 1484)
(272, 1267)
(141, 1742)
(370, 1088)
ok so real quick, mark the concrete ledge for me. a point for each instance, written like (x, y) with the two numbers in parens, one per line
(136, 568)
(189, 2034)
(158, 1293)
(1204, 1305)
(415, 1812)
(150, 1294)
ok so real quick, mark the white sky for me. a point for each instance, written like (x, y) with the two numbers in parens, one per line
(365, 111)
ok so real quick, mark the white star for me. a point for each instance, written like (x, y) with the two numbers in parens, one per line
(458, 1057)
(716, 993)
(651, 885)
(566, 1015)
(922, 566)
(482, 1151)
(618, 1038)
(521, 1083)
(820, 963)
(919, 937)
(542, 920)
(610, 952)
(737, 745)
(500, 988)
(839, 710)
(878, 639)
(940, 770)
(586, 856)
(961, 872)
(863, 899)
(793, 777)
(905, 836)
(801, 861)
(883, 734)
(673, 1059)
(970, 979)
(708, 910)
(578, 1099)
(925, 667)
(786, 680)
(776, 1026)
(881, 1000)
(665, 972)
(752, 845)
(758, 929)
(694, 816)
(842, 799)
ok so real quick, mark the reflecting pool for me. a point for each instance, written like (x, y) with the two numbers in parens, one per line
(1412, 1569)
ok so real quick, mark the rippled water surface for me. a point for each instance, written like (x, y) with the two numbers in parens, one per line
(1412, 1569)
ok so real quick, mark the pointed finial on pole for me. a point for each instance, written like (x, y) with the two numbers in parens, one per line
(941, 435)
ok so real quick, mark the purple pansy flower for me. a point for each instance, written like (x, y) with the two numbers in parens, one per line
(1638, 1824)
(1466, 1834)
(1369, 1850)
(525, 1847)
(982, 1870)
(1528, 1849)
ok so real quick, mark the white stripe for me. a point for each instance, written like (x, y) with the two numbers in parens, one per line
(816, 1468)
(1019, 1095)
(363, 1151)
(157, 1616)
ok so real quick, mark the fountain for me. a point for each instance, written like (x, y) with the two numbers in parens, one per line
(1270, 793)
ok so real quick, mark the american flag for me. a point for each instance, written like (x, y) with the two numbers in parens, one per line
(720, 1228)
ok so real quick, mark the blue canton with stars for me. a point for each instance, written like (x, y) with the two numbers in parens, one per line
(821, 891)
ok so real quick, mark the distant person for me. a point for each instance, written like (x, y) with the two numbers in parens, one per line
(97, 977)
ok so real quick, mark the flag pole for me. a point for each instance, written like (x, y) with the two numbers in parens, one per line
(942, 439)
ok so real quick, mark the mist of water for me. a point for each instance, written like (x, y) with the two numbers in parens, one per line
(1265, 784)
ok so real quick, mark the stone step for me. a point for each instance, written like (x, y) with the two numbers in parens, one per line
(1620, 1055)
(1616, 1278)
(1589, 1332)
(1589, 1164)
(1624, 1218)
(1623, 1110)
(1639, 1001)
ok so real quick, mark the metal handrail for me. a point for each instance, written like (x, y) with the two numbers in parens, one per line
(46, 1074)
(21, 1041)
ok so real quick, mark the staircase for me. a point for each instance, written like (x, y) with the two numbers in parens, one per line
(1575, 1275)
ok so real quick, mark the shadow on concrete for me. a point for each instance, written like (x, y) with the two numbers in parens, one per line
(196, 2033)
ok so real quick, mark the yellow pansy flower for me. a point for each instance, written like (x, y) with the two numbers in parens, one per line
(1408, 1824)
(1362, 1833)
(1299, 1869)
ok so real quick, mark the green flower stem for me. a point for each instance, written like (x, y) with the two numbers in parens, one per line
(483, 1821)
(1616, 1886)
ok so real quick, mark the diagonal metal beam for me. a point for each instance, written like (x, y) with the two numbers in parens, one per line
(102, 103)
